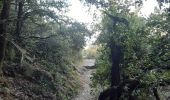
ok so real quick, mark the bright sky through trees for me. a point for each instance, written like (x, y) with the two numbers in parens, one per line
(148, 7)
(81, 13)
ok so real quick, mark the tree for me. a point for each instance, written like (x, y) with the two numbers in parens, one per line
(39, 35)
(3, 30)
(138, 75)
(19, 24)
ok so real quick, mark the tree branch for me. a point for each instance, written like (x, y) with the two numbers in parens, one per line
(38, 37)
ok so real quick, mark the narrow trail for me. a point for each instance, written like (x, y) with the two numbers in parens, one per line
(85, 71)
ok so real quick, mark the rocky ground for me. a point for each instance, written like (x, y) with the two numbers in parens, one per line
(85, 71)
(25, 83)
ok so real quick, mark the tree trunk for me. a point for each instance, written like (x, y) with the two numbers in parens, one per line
(19, 21)
(155, 92)
(20, 5)
(3, 29)
(115, 71)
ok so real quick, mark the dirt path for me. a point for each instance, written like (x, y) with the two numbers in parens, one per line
(85, 73)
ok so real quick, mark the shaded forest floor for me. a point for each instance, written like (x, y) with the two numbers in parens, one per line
(86, 68)
(34, 83)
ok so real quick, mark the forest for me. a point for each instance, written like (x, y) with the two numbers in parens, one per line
(42, 51)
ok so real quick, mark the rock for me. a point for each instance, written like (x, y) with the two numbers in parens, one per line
(1, 98)
(8, 71)
(39, 75)
(86, 70)
(89, 63)
(90, 67)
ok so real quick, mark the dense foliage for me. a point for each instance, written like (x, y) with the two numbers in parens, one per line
(38, 34)
(39, 46)
(144, 57)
